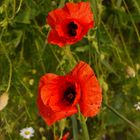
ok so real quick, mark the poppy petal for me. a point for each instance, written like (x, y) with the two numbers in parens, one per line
(65, 137)
(48, 86)
(82, 12)
(91, 96)
(54, 38)
(49, 115)
(50, 104)
(56, 17)
(70, 23)
(51, 88)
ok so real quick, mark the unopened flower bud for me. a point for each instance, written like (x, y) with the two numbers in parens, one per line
(130, 72)
(34, 71)
(43, 138)
(3, 100)
(102, 56)
(54, 3)
(103, 84)
(41, 130)
(137, 66)
(31, 82)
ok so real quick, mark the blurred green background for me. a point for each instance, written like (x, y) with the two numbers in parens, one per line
(112, 49)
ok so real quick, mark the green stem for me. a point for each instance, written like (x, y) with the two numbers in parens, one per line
(95, 10)
(116, 52)
(70, 57)
(9, 61)
(14, 9)
(40, 57)
(61, 4)
(84, 128)
(10, 68)
(125, 47)
(72, 63)
(136, 4)
(54, 129)
(20, 3)
(74, 127)
(83, 124)
(122, 117)
(131, 18)
(57, 58)
(82, 119)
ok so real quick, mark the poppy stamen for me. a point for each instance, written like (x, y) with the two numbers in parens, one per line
(72, 27)
(69, 94)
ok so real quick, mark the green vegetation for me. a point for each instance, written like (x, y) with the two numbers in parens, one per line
(112, 49)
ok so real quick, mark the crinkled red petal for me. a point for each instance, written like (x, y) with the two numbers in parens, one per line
(65, 137)
(91, 96)
(51, 116)
(50, 104)
(80, 11)
(54, 38)
(56, 17)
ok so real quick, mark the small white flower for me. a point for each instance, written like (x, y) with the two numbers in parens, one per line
(27, 132)
(137, 106)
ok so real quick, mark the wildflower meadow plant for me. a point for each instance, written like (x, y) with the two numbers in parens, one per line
(27, 133)
(69, 70)
(137, 106)
(70, 23)
(78, 91)
(59, 96)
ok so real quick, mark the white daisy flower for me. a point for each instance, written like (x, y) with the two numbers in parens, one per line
(137, 106)
(27, 132)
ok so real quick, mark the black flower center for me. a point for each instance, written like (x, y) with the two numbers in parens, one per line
(72, 27)
(69, 94)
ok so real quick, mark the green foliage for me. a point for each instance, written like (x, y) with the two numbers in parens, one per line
(110, 48)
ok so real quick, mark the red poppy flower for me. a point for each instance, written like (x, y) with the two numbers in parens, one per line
(65, 136)
(70, 23)
(59, 95)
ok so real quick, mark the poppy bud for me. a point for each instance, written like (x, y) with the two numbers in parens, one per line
(3, 100)
(130, 72)
(103, 84)
(137, 66)
(41, 130)
(31, 82)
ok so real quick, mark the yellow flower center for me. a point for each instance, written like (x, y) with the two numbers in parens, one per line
(27, 132)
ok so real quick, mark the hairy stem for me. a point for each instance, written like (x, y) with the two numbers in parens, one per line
(74, 127)
(122, 117)
(61, 4)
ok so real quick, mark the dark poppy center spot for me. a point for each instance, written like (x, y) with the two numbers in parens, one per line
(69, 94)
(72, 27)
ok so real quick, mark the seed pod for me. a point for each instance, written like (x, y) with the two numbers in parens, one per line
(137, 66)
(130, 72)
(3, 100)
(31, 82)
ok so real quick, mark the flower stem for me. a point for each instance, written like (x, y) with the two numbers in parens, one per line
(70, 57)
(61, 4)
(74, 126)
(72, 62)
(9, 61)
(84, 128)
(122, 117)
